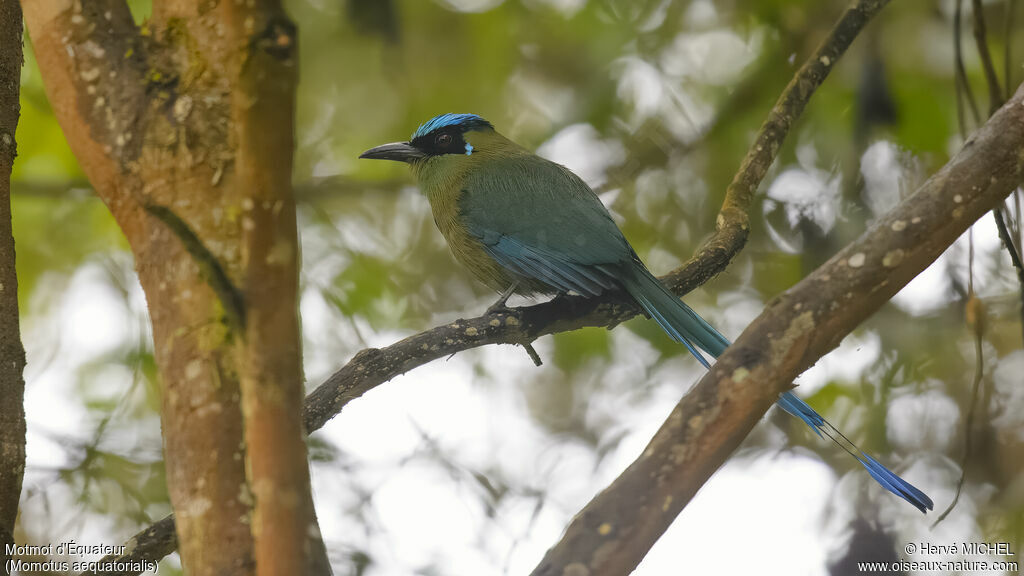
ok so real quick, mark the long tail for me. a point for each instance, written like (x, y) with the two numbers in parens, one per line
(686, 327)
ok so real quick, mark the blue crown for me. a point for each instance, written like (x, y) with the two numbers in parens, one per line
(466, 121)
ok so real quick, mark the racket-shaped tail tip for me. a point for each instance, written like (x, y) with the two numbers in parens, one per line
(898, 486)
(887, 478)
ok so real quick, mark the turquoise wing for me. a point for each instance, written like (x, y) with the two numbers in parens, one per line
(541, 221)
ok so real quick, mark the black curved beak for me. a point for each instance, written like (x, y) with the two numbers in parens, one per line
(400, 151)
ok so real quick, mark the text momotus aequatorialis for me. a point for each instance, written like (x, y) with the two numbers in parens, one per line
(523, 224)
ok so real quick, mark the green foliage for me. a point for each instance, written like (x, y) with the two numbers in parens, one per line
(574, 349)
(57, 225)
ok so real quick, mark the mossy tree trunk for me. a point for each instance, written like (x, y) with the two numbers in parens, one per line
(184, 127)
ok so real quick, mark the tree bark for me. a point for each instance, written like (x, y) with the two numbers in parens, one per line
(184, 129)
(12, 354)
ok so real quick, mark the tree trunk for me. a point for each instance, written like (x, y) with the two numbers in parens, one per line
(12, 355)
(184, 127)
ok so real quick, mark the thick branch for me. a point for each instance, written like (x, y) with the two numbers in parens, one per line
(615, 530)
(12, 355)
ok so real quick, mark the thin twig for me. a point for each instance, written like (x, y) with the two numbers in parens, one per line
(532, 353)
(975, 312)
(995, 93)
(1008, 48)
(960, 87)
(960, 73)
(1015, 257)
(52, 190)
(1017, 214)
(1007, 238)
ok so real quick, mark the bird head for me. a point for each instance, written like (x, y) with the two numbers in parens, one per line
(448, 136)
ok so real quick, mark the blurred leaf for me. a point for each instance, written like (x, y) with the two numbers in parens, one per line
(573, 349)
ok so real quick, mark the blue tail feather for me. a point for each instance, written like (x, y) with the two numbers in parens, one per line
(794, 405)
(889, 480)
(683, 325)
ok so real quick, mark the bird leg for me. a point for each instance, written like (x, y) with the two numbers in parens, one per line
(499, 306)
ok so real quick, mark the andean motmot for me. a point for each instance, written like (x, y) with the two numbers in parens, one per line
(523, 224)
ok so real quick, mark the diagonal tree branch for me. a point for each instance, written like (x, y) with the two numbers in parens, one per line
(372, 367)
(616, 529)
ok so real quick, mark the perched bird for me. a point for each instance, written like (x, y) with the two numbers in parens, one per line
(522, 224)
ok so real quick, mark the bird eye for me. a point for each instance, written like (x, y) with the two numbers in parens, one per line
(443, 140)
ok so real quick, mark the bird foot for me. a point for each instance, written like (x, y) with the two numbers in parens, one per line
(499, 307)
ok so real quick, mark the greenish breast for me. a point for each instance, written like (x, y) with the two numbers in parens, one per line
(444, 190)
